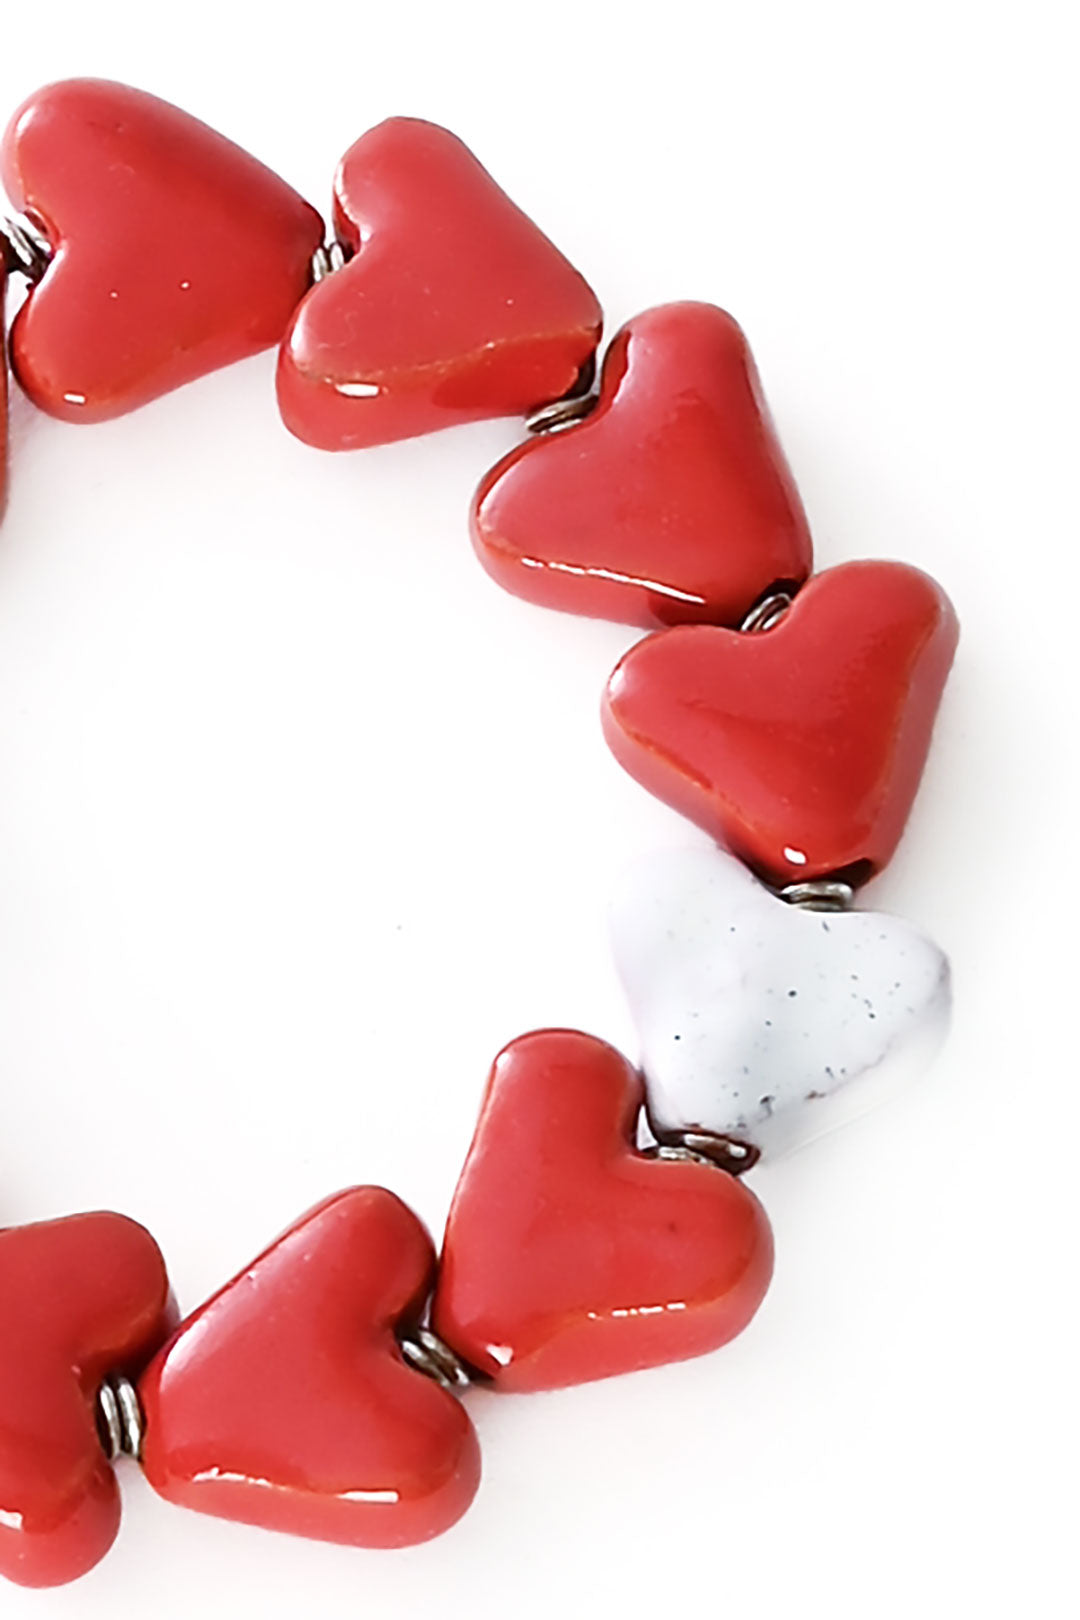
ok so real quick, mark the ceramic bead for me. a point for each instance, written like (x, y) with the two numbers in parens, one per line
(285, 1401)
(175, 252)
(568, 1254)
(761, 1020)
(454, 307)
(800, 747)
(670, 503)
(80, 1299)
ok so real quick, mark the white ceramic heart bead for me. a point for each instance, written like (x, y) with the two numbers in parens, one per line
(762, 1020)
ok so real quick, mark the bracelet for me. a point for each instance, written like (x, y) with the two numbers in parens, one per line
(600, 1224)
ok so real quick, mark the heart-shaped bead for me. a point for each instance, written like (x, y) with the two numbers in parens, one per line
(568, 1254)
(669, 503)
(80, 1299)
(285, 1400)
(175, 252)
(760, 1020)
(455, 306)
(799, 747)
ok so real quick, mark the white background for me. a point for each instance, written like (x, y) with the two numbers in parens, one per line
(301, 818)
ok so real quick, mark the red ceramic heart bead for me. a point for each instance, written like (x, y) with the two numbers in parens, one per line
(285, 1401)
(80, 1299)
(799, 747)
(568, 1254)
(670, 503)
(455, 306)
(175, 251)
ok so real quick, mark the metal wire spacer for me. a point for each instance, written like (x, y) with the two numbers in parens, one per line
(769, 611)
(703, 1147)
(24, 248)
(120, 1418)
(426, 1353)
(325, 260)
(822, 894)
(571, 409)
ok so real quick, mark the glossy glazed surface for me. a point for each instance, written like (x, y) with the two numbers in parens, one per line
(670, 503)
(80, 1299)
(799, 747)
(175, 251)
(568, 1254)
(285, 1402)
(763, 1021)
(455, 306)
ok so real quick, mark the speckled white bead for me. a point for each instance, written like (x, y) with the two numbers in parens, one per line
(762, 1020)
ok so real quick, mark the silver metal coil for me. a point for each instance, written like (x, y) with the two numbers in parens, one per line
(120, 1418)
(24, 247)
(704, 1147)
(822, 894)
(560, 414)
(769, 611)
(325, 260)
(571, 409)
(427, 1353)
